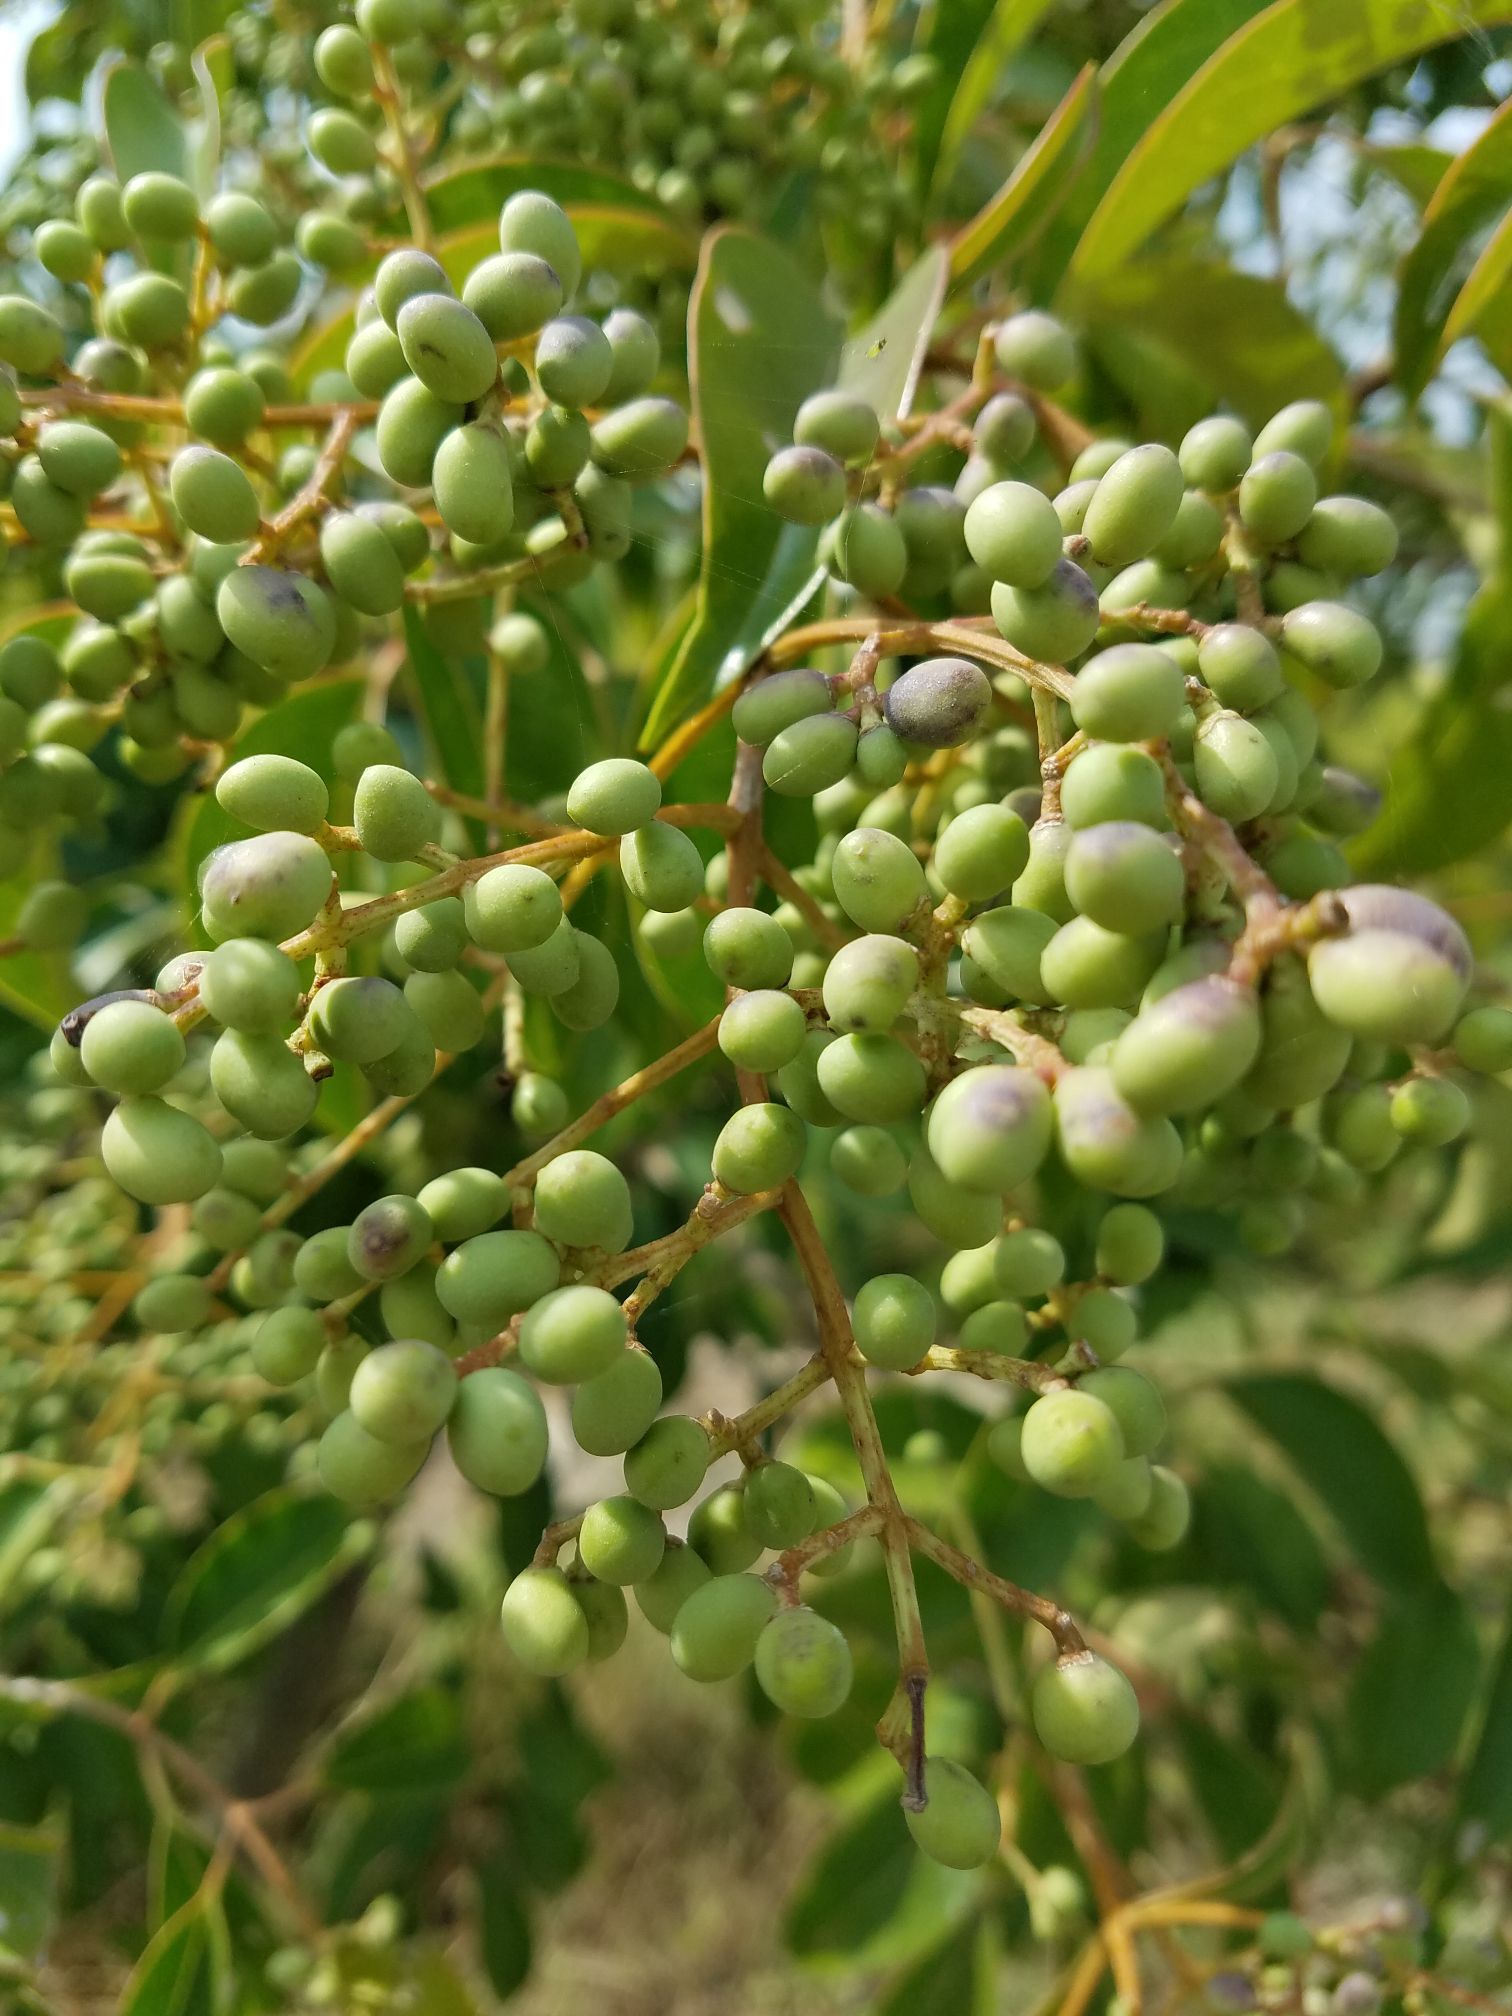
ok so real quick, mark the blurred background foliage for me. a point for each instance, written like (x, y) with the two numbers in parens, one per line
(1234, 204)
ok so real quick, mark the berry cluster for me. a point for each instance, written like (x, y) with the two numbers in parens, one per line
(202, 589)
(1073, 946)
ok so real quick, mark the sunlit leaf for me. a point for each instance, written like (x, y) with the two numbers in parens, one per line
(1042, 179)
(1295, 55)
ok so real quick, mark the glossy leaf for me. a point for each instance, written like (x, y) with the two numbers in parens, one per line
(142, 129)
(760, 341)
(1143, 74)
(1010, 27)
(883, 363)
(415, 1744)
(257, 1572)
(1042, 179)
(1347, 1462)
(1297, 54)
(1412, 1690)
(1233, 339)
(1474, 188)
(1480, 305)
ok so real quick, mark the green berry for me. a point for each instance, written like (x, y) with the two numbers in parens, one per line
(131, 1047)
(959, 1826)
(544, 1624)
(803, 1663)
(581, 1199)
(359, 1468)
(621, 1541)
(716, 1629)
(1084, 1709)
(894, 1321)
(402, 1392)
(615, 796)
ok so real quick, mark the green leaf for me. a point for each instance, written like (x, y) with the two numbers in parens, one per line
(173, 1974)
(978, 64)
(854, 1885)
(265, 1566)
(882, 364)
(1229, 337)
(35, 984)
(1340, 1453)
(1042, 179)
(1412, 1691)
(459, 197)
(1239, 1793)
(453, 720)
(1143, 74)
(142, 130)
(1296, 55)
(1446, 793)
(951, 35)
(415, 1744)
(305, 726)
(30, 1866)
(1474, 189)
(760, 340)
(1486, 1793)
(1416, 168)
(1252, 1534)
(503, 1926)
(957, 1979)
(1480, 307)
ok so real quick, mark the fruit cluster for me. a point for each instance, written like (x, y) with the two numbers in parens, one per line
(1074, 944)
(202, 590)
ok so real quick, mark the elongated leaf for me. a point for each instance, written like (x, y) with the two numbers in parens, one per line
(257, 1572)
(1447, 791)
(1474, 188)
(1344, 1458)
(305, 726)
(1413, 167)
(1480, 305)
(882, 364)
(760, 341)
(1413, 1690)
(1294, 56)
(416, 1744)
(1487, 1789)
(173, 1975)
(142, 129)
(448, 703)
(503, 1926)
(1143, 75)
(952, 34)
(1041, 181)
(996, 44)
(1251, 1534)
(856, 1884)
(956, 1979)
(31, 1861)
(1234, 337)
(478, 191)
